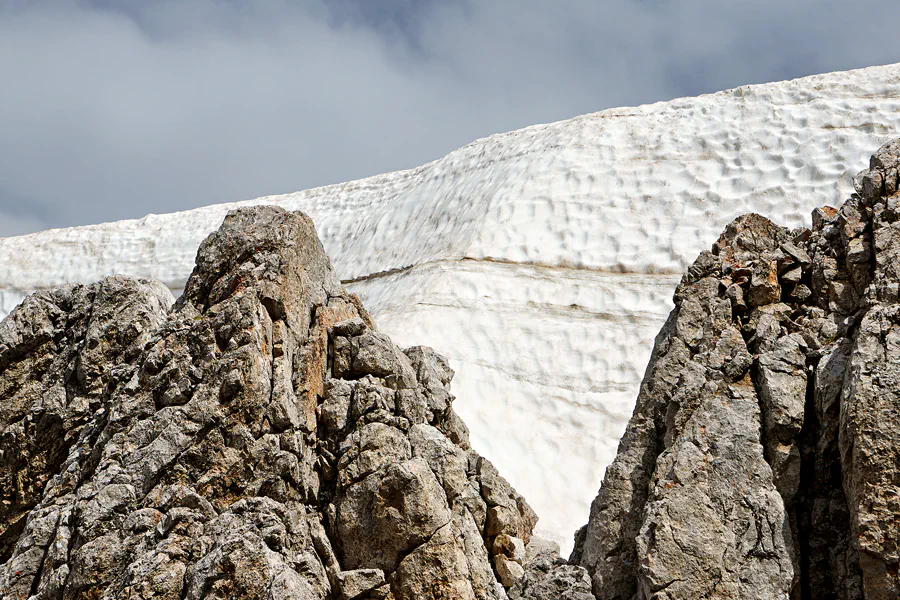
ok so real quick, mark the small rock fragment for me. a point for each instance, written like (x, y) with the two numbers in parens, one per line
(509, 571)
(353, 584)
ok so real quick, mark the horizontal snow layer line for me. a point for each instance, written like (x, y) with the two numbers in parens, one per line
(176, 287)
(550, 268)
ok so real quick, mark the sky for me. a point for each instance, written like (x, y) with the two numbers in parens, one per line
(113, 109)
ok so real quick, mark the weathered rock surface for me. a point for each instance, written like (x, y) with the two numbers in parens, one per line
(259, 440)
(763, 456)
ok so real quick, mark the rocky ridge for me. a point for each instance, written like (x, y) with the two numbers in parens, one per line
(563, 241)
(763, 456)
(261, 439)
(258, 439)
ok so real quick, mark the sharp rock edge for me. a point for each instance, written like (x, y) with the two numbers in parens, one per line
(763, 456)
(258, 439)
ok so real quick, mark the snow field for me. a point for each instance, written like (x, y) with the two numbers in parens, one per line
(540, 261)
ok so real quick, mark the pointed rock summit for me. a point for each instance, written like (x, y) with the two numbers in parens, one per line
(260, 439)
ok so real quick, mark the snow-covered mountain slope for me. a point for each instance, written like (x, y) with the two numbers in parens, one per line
(540, 261)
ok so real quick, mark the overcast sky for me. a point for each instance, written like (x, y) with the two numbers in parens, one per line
(112, 109)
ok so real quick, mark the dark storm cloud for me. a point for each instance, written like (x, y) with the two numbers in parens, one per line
(113, 109)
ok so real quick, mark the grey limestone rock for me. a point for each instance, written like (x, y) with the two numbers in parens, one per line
(763, 456)
(548, 577)
(260, 439)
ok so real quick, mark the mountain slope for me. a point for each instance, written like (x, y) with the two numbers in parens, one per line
(540, 261)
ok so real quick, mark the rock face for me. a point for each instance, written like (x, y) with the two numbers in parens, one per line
(763, 456)
(260, 439)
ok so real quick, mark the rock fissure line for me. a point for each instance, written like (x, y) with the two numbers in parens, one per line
(801, 516)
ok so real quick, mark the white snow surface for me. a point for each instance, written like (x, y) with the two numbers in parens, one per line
(542, 261)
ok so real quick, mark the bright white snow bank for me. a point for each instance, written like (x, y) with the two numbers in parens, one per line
(540, 261)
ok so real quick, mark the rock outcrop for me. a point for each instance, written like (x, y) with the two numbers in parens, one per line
(763, 456)
(258, 439)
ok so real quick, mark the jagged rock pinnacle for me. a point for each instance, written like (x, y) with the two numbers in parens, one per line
(259, 440)
(763, 456)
